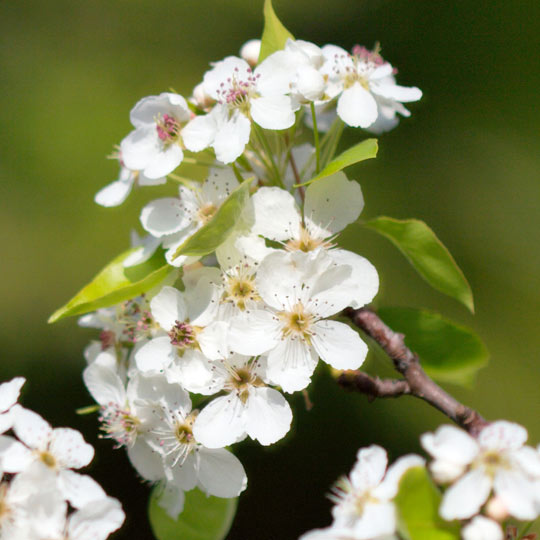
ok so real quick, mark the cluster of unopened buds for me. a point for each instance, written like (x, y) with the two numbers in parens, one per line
(41, 496)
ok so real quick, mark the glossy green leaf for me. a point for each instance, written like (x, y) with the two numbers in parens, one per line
(448, 352)
(203, 518)
(427, 254)
(359, 152)
(418, 502)
(115, 283)
(275, 35)
(208, 238)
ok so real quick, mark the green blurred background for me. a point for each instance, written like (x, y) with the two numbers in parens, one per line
(467, 163)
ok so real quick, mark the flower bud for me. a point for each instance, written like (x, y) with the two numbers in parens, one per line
(250, 51)
(496, 509)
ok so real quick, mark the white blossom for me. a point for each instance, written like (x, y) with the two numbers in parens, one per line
(497, 461)
(365, 86)
(250, 51)
(364, 499)
(155, 146)
(174, 220)
(300, 290)
(242, 95)
(249, 406)
(9, 394)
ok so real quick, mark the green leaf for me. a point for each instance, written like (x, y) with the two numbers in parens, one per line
(418, 503)
(427, 254)
(448, 352)
(208, 238)
(359, 152)
(275, 35)
(203, 518)
(115, 283)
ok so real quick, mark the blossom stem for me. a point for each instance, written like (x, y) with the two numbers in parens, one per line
(315, 139)
(408, 364)
(296, 174)
(263, 141)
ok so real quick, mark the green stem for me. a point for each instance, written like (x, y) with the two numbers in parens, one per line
(526, 529)
(183, 180)
(263, 141)
(333, 143)
(316, 138)
(237, 173)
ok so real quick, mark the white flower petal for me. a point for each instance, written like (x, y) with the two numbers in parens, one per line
(14, 456)
(139, 147)
(363, 282)
(369, 468)
(338, 345)
(220, 473)
(231, 138)
(79, 489)
(213, 340)
(389, 487)
(464, 498)
(168, 306)
(395, 91)
(164, 216)
(268, 415)
(221, 422)
(172, 500)
(69, 448)
(253, 332)
(528, 459)
(450, 443)
(517, 493)
(273, 112)
(291, 364)
(200, 132)
(147, 109)
(331, 204)
(104, 384)
(96, 521)
(222, 72)
(503, 435)
(276, 214)
(113, 194)
(31, 428)
(155, 355)
(357, 107)
(146, 461)
(164, 161)
(9, 392)
(377, 520)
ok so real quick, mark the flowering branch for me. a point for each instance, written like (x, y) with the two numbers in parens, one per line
(416, 382)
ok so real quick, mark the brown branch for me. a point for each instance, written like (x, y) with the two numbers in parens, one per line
(408, 364)
(373, 387)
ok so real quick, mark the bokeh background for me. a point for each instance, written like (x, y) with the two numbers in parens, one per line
(467, 163)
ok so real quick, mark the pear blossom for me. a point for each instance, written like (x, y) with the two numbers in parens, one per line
(187, 463)
(242, 95)
(330, 205)
(497, 461)
(249, 406)
(190, 337)
(174, 220)
(155, 146)
(300, 291)
(117, 192)
(482, 528)
(366, 87)
(364, 499)
(127, 413)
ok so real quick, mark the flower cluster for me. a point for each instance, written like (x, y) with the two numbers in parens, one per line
(496, 472)
(364, 507)
(41, 496)
(250, 317)
(239, 100)
(490, 478)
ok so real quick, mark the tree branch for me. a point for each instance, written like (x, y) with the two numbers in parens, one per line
(374, 387)
(416, 382)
